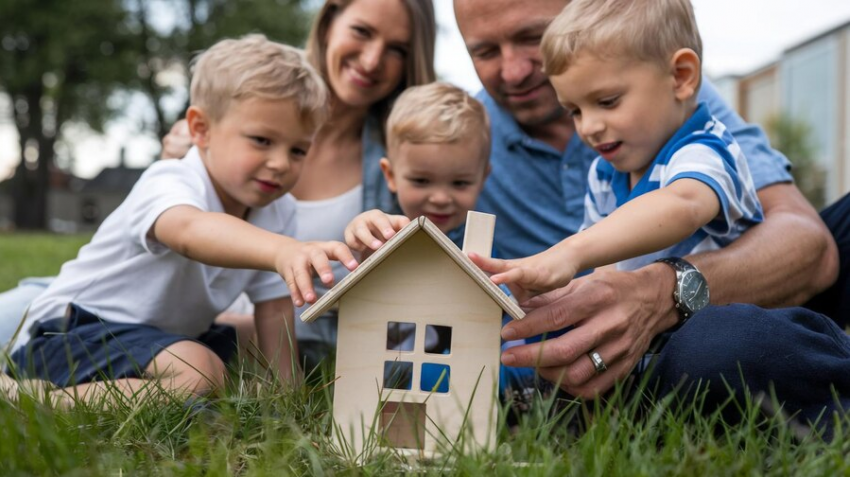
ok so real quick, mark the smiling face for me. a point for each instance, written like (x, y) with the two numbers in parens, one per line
(254, 153)
(439, 181)
(503, 39)
(625, 109)
(367, 47)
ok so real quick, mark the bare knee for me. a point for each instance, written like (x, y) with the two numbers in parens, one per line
(187, 366)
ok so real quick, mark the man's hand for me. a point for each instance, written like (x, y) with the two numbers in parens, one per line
(369, 230)
(296, 263)
(614, 313)
(177, 142)
(530, 276)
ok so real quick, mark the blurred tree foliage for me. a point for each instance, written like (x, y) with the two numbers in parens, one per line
(794, 139)
(64, 61)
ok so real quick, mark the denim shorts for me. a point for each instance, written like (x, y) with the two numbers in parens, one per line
(85, 348)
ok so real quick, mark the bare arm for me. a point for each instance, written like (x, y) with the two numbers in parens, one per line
(783, 261)
(225, 241)
(618, 313)
(651, 222)
(276, 335)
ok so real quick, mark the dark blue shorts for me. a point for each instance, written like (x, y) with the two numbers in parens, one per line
(85, 348)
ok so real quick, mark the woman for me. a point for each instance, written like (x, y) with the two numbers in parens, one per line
(368, 51)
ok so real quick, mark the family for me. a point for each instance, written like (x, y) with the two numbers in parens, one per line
(634, 206)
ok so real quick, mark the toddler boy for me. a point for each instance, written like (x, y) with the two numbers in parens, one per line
(438, 149)
(670, 180)
(138, 302)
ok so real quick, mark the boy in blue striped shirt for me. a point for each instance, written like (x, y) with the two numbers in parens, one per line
(670, 180)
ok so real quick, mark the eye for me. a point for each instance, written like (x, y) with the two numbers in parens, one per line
(609, 102)
(298, 152)
(260, 140)
(359, 31)
(573, 112)
(399, 51)
(484, 53)
(419, 181)
(531, 39)
(461, 184)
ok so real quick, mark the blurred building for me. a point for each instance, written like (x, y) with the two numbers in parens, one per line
(75, 204)
(810, 82)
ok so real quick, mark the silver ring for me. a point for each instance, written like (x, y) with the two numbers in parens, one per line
(598, 364)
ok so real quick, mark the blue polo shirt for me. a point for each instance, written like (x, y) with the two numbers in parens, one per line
(537, 192)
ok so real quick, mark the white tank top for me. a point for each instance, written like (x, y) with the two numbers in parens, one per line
(323, 220)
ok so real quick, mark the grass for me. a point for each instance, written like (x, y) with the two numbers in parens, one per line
(258, 428)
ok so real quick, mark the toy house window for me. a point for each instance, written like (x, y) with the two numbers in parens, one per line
(401, 336)
(443, 342)
(403, 424)
(398, 375)
(434, 378)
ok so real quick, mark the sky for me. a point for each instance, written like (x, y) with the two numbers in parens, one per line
(739, 36)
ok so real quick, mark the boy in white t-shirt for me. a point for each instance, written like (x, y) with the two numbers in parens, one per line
(138, 303)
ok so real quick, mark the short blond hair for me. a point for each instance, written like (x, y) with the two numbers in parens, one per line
(437, 113)
(648, 30)
(255, 67)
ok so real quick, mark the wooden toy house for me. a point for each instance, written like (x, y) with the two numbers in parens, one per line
(413, 396)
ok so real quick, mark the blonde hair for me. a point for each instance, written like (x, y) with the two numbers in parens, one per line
(649, 30)
(420, 58)
(255, 67)
(437, 113)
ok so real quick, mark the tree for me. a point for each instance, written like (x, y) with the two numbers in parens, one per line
(793, 138)
(59, 61)
(64, 61)
(195, 26)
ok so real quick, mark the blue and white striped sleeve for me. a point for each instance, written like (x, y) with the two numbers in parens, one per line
(596, 188)
(725, 171)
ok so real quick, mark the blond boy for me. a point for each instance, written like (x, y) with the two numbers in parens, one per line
(438, 146)
(670, 180)
(138, 302)
(438, 149)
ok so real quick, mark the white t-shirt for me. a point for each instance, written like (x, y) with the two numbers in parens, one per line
(123, 275)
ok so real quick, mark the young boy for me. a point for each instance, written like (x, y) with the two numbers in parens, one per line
(138, 303)
(438, 149)
(670, 180)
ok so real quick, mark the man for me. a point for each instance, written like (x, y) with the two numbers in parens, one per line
(616, 315)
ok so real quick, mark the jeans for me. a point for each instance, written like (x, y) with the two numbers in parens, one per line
(802, 356)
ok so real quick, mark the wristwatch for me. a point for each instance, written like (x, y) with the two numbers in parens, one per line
(691, 291)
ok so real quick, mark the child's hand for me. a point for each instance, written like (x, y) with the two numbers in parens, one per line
(368, 231)
(527, 277)
(296, 264)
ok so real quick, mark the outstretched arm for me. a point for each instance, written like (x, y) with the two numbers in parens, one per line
(619, 313)
(225, 241)
(651, 222)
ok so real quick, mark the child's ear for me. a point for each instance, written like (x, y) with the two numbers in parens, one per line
(199, 126)
(389, 175)
(686, 70)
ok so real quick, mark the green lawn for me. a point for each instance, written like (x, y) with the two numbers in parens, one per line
(257, 428)
(35, 254)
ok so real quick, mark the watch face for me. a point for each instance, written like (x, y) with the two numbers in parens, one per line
(693, 291)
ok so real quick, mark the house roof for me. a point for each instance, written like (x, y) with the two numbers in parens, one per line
(119, 179)
(420, 225)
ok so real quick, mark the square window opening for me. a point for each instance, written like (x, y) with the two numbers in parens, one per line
(435, 378)
(438, 339)
(398, 375)
(401, 336)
